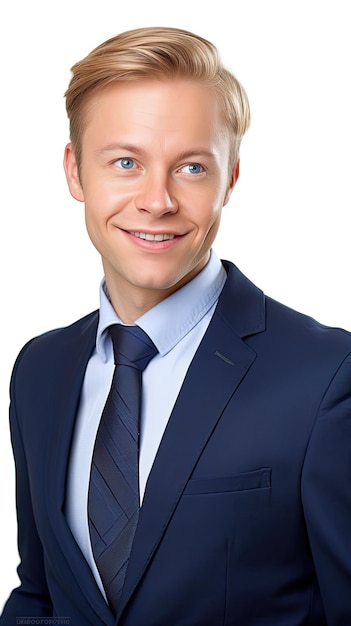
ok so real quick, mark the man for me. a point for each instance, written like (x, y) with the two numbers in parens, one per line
(244, 456)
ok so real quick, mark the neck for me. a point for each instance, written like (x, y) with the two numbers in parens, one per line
(131, 301)
(129, 309)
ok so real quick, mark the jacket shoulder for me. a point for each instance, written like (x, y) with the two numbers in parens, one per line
(51, 346)
(287, 320)
(273, 327)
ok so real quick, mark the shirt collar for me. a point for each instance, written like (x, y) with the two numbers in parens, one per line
(185, 307)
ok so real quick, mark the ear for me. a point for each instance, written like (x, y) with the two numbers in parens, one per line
(72, 175)
(232, 181)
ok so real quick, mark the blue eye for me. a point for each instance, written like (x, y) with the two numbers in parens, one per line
(125, 163)
(193, 168)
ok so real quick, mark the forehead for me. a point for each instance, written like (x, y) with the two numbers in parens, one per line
(158, 109)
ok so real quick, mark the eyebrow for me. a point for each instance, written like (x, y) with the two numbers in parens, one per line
(131, 148)
(125, 147)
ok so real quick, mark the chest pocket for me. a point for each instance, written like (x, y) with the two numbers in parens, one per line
(257, 479)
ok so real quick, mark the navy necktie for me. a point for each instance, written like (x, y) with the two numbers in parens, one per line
(113, 502)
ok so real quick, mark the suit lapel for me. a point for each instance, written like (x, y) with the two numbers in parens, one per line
(70, 563)
(72, 361)
(221, 362)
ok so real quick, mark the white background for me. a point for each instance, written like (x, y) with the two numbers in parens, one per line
(288, 223)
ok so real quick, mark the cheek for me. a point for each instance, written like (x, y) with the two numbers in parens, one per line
(93, 217)
(214, 226)
(96, 216)
(92, 228)
(208, 228)
(99, 204)
(208, 214)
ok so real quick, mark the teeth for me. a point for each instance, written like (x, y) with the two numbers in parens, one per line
(150, 237)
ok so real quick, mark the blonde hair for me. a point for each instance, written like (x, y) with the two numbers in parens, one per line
(161, 53)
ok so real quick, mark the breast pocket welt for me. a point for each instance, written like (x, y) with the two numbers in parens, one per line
(256, 479)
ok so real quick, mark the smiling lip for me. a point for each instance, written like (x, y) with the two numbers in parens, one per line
(153, 242)
(153, 236)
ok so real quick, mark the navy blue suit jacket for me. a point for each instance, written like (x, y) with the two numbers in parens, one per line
(246, 519)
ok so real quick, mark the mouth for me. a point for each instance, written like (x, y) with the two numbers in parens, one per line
(153, 237)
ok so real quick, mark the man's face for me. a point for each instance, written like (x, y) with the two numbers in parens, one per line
(154, 179)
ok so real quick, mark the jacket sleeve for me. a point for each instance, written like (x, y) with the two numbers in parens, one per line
(326, 495)
(31, 598)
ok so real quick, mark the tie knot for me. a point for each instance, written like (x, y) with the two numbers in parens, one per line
(132, 346)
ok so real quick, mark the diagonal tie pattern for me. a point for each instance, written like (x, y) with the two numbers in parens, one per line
(113, 502)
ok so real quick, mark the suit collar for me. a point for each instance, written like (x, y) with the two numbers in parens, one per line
(241, 303)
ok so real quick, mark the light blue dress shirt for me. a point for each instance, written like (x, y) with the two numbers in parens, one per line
(176, 326)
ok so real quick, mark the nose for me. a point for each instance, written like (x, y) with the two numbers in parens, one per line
(155, 196)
